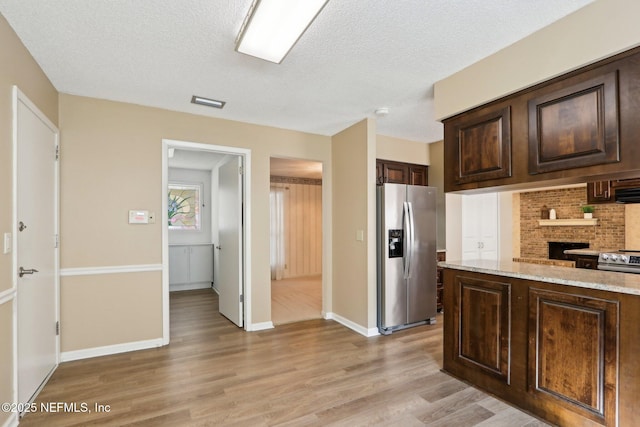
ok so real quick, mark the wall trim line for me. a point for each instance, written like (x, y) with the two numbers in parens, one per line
(67, 356)
(88, 271)
(367, 332)
(7, 296)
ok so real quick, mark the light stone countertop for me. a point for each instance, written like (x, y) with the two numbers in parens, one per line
(586, 251)
(626, 283)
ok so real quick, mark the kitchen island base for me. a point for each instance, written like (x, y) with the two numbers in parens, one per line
(564, 353)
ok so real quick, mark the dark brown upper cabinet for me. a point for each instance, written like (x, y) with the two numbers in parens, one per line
(575, 126)
(388, 171)
(599, 192)
(581, 126)
(418, 175)
(483, 145)
(395, 173)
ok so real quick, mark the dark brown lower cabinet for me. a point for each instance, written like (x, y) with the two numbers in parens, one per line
(573, 352)
(441, 256)
(482, 323)
(566, 354)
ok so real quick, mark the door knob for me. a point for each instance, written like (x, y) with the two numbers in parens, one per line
(24, 271)
(21, 226)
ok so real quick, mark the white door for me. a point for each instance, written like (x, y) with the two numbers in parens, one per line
(230, 236)
(480, 227)
(37, 227)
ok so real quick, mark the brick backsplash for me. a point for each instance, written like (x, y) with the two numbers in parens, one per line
(608, 234)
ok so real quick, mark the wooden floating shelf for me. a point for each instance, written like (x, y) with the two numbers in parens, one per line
(568, 222)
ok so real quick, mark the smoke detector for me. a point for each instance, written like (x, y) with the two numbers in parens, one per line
(382, 111)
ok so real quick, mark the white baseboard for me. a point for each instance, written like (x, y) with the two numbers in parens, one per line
(12, 421)
(260, 326)
(370, 332)
(189, 286)
(87, 353)
(7, 296)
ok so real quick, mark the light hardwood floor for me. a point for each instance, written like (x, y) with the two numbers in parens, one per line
(296, 299)
(312, 373)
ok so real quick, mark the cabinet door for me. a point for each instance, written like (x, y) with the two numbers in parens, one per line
(562, 325)
(482, 149)
(480, 226)
(396, 173)
(575, 126)
(418, 175)
(201, 264)
(482, 324)
(178, 264)
(599, 192)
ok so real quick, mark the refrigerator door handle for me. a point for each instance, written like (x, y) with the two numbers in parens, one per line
(412, 238)
(408, 238)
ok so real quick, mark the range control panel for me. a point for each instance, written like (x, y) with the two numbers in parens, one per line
(619, 258)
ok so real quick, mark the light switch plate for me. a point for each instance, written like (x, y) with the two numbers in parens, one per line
(7, 243)
(360, 235)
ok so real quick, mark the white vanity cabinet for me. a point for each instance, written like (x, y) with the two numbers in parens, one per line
(190, 266)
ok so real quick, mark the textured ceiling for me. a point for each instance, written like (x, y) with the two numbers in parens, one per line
(357, 56)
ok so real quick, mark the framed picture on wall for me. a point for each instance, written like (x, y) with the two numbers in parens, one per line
(184, 206)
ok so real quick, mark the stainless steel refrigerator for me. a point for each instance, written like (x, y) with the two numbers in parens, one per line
(406, 220)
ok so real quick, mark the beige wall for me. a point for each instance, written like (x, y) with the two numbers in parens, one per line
(402, 150)
(111, 162)
(353, 159)
(599, 30)
(6, 356)
(88, 309)
(632, 226)
(18, 68)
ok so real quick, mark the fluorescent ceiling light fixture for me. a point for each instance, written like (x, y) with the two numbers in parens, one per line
(272, 27)
(206, 101)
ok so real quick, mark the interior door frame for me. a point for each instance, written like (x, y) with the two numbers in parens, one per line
(19, 96)
(246, 221)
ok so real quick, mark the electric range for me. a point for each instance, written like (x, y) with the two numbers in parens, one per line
(624, 261)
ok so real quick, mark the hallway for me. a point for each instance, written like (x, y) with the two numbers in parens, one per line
(296, 299)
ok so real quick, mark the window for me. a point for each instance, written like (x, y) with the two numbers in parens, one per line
(184, 206)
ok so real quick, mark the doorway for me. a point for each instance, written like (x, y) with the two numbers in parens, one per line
(231, 276)
(295, 240)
